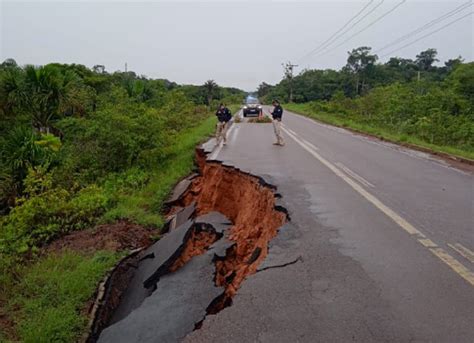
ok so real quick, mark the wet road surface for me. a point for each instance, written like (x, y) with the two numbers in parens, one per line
(379, 247)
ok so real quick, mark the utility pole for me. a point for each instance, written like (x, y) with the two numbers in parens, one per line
(288, 68)
(125, 66)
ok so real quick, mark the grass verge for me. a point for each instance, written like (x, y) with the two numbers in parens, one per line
(47, 303)
(380, 132)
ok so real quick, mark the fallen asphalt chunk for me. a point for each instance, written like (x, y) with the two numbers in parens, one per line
(176, 306)
(161, 255)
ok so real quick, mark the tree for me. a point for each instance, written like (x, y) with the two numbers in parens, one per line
(462, 78)
(451, 64)
(359, 64)
(9, 62)
(263, 89)
(99, 69)
(11, 90)
(425, 59)
(211, 88)
(51, 94)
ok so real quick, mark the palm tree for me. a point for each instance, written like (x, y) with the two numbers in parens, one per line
(11, 90)
(211, 88)
(49, 94)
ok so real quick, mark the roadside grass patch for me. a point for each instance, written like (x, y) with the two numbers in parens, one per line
(48, 301)
(384, 133)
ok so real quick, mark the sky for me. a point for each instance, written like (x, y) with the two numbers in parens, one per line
(235, 43)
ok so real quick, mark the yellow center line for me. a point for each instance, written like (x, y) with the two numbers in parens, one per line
(463, 251)
(455, 265)
(428, 243)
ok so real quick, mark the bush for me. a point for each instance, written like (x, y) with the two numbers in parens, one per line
(46, 212)
(113, 142)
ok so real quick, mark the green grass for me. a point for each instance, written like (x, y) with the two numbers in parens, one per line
(47, 303)
(381, 132)
(144, 206)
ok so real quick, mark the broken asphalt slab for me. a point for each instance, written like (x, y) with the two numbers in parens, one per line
(183, 295)
(179, 218)
(155, 262)
(180, 189)
(218, 221)
(179, 302)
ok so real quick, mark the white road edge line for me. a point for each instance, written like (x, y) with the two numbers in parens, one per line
(385, 144)
(309, 144)
(450, 261)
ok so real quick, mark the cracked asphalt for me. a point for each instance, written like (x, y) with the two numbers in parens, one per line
(377, 249)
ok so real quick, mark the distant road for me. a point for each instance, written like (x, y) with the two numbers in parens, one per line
(382, 236)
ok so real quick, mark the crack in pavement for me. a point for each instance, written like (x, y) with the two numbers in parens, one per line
(299, 258)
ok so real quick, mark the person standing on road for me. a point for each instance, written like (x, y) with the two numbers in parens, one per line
(277, 114)
(223, 117)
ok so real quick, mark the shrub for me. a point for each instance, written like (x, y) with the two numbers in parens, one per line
(46, 212)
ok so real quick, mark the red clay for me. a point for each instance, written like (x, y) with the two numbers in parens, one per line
(197, 244)
(117, 236)
(249, 205)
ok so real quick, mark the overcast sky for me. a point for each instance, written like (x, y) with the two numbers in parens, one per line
(236, 43)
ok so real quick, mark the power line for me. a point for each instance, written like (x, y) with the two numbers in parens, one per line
(348, 29)
(427, 25)
(335, 33)
(428, 34)
(365, 28)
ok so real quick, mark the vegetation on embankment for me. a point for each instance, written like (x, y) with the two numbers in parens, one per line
(80, 147)
(402, 100)
(400, 133)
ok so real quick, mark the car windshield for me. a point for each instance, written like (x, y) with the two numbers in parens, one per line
(251, 101)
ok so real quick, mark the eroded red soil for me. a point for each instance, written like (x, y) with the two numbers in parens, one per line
(250, 205)
(117, 236)
(197, 244)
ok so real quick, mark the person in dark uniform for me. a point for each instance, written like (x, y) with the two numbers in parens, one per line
(223, 117)
(277, 115)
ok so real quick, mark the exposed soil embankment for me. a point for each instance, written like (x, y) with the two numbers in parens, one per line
(249, 202)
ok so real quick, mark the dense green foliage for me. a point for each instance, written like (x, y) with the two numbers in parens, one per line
(412, 99)
(80, 146)
(69, 133)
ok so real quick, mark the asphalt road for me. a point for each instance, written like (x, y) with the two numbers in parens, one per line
(379, 247)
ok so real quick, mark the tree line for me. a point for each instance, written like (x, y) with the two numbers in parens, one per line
(407, 97)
